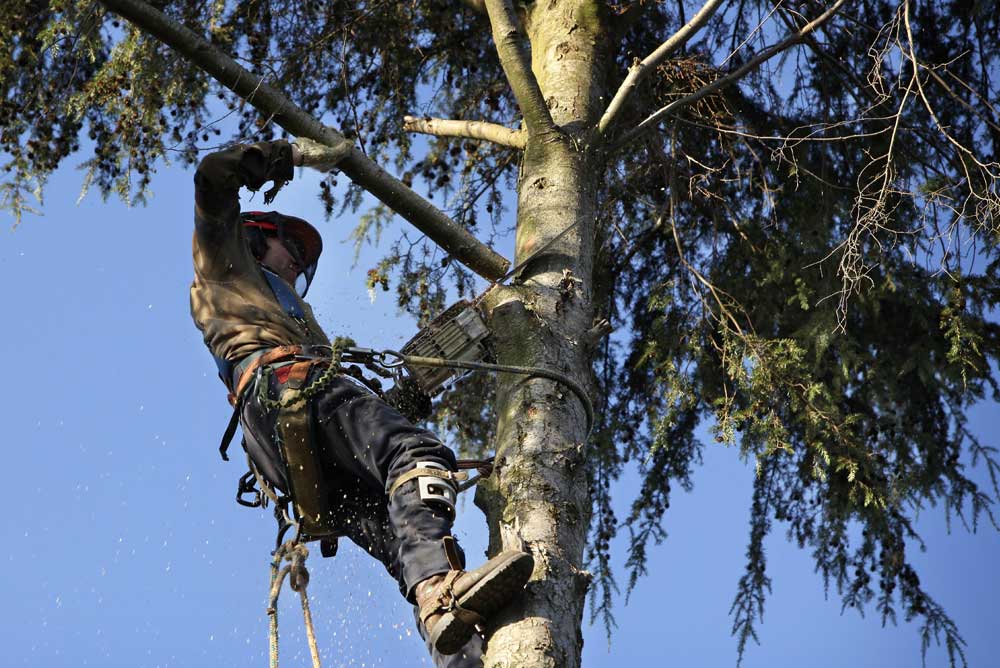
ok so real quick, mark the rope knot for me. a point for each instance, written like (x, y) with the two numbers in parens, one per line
(296, 554)
(299, 576)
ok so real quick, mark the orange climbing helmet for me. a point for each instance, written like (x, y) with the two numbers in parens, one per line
(301, 239)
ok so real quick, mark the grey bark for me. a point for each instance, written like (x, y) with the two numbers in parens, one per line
(539, 498)
(513, 49)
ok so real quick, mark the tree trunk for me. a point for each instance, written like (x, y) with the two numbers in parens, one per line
(539, 498)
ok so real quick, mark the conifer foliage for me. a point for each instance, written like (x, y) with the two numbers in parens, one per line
(793, 229)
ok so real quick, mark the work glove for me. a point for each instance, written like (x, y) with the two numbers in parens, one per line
(309, 153)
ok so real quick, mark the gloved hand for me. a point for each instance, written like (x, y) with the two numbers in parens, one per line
(309, 153)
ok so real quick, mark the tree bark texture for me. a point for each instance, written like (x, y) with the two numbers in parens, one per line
(539, 497)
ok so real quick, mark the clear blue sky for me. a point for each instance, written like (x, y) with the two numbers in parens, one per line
(124, 546)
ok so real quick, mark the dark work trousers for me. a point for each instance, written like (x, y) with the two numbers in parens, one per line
(364, 444)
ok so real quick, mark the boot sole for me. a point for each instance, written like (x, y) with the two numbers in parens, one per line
(486, 597)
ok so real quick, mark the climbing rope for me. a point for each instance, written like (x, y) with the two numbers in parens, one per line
(298, 579)
(400, 359)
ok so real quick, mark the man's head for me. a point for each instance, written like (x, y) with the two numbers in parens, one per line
(278, 258)
(288, 246)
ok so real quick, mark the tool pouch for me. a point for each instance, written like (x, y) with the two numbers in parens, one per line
(309, 490)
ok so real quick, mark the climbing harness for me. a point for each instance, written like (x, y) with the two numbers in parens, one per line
(392, 362)
(258, 366)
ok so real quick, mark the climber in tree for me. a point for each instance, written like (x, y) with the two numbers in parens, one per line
(350, 463)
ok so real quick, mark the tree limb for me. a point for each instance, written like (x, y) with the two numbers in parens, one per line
(732, 77)
(515, 59)
(490, 132)
(640, 70)
(270, 101)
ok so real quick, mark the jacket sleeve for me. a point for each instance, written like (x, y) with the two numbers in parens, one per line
(220, 176)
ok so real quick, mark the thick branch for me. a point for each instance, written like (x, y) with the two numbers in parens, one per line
(270, 101)
(640, 70)
(515, 59)
(490, 132)
(730, 78)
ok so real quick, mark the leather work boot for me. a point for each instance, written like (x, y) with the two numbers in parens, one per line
(454, 603)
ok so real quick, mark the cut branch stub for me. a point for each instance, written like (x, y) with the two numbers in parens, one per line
(491, 132)
(423, 215)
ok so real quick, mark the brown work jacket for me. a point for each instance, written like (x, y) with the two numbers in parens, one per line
(231, 301)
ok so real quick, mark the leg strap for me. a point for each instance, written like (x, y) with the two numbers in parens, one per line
(451, 477)
(437, 485)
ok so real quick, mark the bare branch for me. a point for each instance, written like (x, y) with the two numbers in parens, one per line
(730, 78)
(640, 70)
(962, 101)
(917, 66)
(491, 132)
(873, 207)
(750, 36)
(981, 178)
(427, 218)
(515, 58)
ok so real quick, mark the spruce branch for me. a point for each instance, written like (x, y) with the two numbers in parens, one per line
(641, 69)
(747, 609)
(442, 127)
(515, 58)
(677, 105)
(873, 207)
(273, 103)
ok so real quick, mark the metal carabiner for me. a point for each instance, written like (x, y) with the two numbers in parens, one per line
(357, 355)
(247, 486)
(382, 358)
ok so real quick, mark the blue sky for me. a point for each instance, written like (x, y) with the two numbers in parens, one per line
(124, 546)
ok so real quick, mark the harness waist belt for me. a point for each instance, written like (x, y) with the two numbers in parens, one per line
(244, 371)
